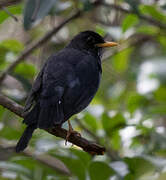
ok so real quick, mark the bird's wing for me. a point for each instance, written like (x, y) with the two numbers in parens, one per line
(46, 92)
(36, 87)
(55, 82)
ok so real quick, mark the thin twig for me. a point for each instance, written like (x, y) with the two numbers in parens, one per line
(48, 160)
(43, 40)
(132, 42)
(10, 14)
(90, 147)
(143, 17)
(37, 44)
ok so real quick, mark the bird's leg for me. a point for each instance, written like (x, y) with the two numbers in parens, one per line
(70, 131)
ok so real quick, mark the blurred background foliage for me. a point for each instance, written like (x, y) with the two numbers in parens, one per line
(128, 114)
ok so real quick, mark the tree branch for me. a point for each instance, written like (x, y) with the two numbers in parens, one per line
(37, 44)
(48, 160)
(5, 3)
(111, 153)
(90, 147)
(128, 11)
(41, 41)
(48, 35)
(82, 126)
(10, 14)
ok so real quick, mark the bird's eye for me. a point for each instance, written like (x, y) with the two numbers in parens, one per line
(90, 40)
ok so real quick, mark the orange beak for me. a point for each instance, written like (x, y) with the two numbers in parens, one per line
(107, 44)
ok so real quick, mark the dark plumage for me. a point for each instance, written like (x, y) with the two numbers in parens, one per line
(65, 86)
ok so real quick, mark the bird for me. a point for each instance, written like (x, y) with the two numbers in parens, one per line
(65, 86)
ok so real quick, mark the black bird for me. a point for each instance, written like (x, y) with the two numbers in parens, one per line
(65, 86)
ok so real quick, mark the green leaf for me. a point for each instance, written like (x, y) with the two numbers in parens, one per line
(12, 45)
(13, 167)
(160, 94)
(115, 140)
(129, 21)
(9, 133)
(83, 156)
(138, 167)
(100, 30)
(34, 165)
(3, 52)
(100, 170)
(158, 109)
(41, 11)
(153, 11)
(91, 122)
(24, 161)
(121, 60)
(2, 110)
(27, 85)
(135, 101)
(12, 9)
(162, 40)
(75, 166)
(161, 152)
(26, 70)
(149, 30)
(110, 124)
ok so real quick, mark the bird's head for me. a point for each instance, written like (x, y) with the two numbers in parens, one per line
(90, 41)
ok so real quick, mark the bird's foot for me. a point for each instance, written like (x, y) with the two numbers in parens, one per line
(69, 133)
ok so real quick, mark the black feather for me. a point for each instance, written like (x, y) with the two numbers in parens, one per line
(26, 136)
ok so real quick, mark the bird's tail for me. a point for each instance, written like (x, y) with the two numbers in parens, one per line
(31, 120)
(26, 136)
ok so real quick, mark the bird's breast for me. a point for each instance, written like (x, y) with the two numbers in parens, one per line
(83, 84)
